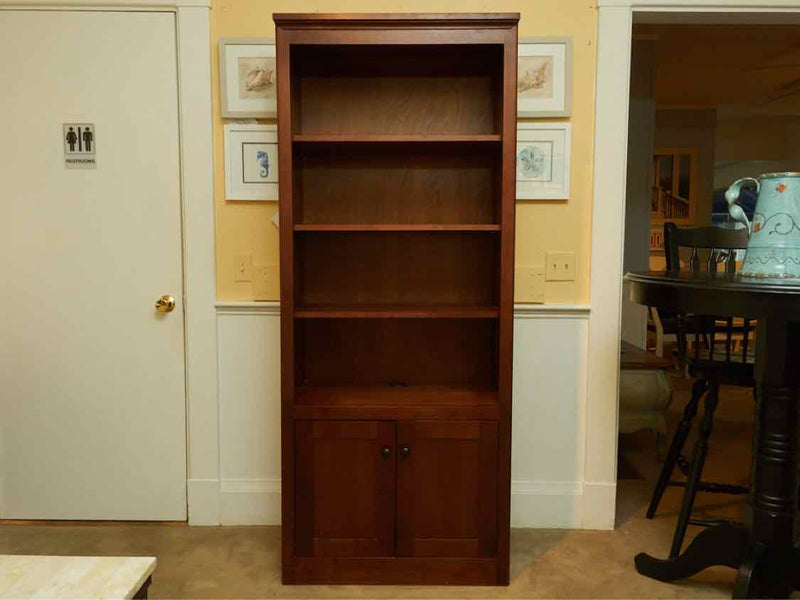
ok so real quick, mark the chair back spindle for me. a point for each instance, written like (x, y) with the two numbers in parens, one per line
(710, 332)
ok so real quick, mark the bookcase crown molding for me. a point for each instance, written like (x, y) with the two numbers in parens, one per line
(412, 20)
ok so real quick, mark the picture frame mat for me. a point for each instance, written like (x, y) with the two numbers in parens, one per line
(230, 50)
(561, 103)
(560, 134)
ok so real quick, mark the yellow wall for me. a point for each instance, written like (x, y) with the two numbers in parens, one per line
(246, 227)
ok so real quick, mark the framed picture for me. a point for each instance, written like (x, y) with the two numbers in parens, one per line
(544, 77)
(543, 161)
(251, 162)
(247, 78)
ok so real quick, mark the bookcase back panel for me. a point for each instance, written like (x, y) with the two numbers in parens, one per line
(408, 183)
(396, 352)
(396, 89)
(370, 268)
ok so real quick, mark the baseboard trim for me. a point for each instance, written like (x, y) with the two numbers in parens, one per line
(550, 504)
(250, 502)
(547, 504)
(203, 500)
(600, 505)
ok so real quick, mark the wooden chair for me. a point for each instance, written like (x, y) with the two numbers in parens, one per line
(660, 324)
(711, 360)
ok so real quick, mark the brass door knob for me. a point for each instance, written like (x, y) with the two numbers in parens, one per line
(165, 304)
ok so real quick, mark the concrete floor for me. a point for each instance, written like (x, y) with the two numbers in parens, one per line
(244, 562)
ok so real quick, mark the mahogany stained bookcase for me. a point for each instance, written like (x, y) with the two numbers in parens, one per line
(397, 137)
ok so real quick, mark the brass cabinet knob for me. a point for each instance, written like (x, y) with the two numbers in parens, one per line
(405, 450)
(386, 452)
(165, 304)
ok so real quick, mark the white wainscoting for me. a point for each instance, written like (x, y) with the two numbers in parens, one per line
(550, 345)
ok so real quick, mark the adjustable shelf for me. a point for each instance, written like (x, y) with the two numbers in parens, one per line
(386, 138)
(397, 312)
(395, 395)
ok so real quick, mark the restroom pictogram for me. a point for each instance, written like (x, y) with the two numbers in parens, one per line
(80, 145)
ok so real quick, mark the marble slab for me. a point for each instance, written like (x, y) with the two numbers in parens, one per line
(73, 576)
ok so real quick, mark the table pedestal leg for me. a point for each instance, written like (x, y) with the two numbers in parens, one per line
(724, 544)
(768, 570)
(763, 550)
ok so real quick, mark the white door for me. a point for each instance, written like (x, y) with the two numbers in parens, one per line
(91, 376)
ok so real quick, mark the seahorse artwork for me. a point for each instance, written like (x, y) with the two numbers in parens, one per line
(258, 78)
(263, 162)
(533, 79)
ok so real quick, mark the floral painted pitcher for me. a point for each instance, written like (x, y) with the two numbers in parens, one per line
(774, 246)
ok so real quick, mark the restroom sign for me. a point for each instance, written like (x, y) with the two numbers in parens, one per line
(80, 145)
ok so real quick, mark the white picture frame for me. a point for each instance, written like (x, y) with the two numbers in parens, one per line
(543, 160)
(544, 77)
(248, 81)
(249, 175)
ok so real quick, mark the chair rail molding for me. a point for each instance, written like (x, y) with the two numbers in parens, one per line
(521, 311)
(614, 35)
(248, 308)
(192, 30)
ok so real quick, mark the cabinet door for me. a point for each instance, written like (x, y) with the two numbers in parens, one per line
(345, 488)
(447, 488)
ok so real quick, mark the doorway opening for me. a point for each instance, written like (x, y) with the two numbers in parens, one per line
(710, 103)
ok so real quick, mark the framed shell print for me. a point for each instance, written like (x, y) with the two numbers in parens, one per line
(247, 78)
(251, 162)
(544, 77)
(543, 160)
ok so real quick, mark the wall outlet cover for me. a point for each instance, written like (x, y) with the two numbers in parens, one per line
(243, 267)
(529, 284)
(560, 266)
(266, 283)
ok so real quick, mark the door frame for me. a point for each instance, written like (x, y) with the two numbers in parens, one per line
(614, 34)
(193, 55)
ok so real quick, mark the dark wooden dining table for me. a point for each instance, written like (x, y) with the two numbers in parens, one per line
(763, 547)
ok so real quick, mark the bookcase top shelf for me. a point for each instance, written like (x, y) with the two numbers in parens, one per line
(384, 138)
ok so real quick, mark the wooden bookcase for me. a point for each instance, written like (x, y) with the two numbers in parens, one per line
(397, 136)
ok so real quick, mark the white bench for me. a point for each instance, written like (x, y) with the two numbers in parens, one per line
(75, 576)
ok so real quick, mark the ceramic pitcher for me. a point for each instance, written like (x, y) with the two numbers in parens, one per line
(774, 246)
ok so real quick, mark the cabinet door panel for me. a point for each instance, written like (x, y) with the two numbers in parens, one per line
(345, 488)
(447, 488)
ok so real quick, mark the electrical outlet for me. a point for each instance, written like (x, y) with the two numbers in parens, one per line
(560, 266)
(266, 283)
(529, 285)
(243, 267)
